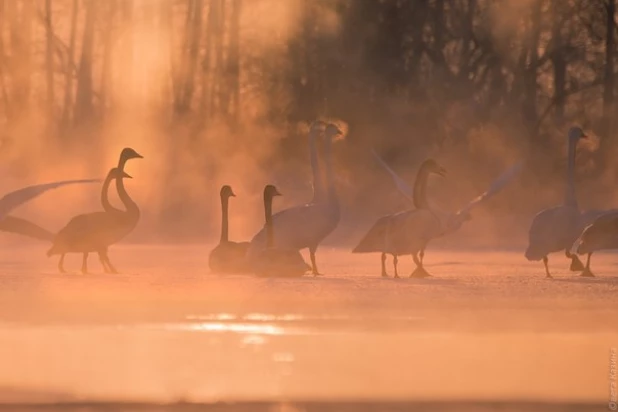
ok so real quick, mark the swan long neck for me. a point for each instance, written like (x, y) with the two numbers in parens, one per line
(330, 178)
(129, 204)
(268, 215)
(224, 219)
(318, 188)
(107, 206)
(569, 196)
(419, 195)
(121, 163)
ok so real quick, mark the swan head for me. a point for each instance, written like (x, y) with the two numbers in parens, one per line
(270, 191)
(434, 167)
(576, 133)
(332, 132)
(118, 173)
(226, 191)
(317, 127)
(128, 153)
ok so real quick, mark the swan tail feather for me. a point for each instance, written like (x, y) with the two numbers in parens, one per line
(373, 241)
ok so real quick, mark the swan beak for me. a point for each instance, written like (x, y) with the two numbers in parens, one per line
(277, 193)
(232, 194)
(125, 175)
(139, 156)
(584, 136)
(442, 172)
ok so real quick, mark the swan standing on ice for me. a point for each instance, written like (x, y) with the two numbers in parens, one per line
(557, 228)
(227, 256)
(95, 232)
(406, 232)
(307, 225)
(92, 232)
(449, 222)
(601, 234)
(276, 261)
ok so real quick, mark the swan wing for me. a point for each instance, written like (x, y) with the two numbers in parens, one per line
(373, 241)
(552, 230)
(599, 230)
(24, 227)
(402, 186)
(295, 228)
(14, 199)
(497, 185)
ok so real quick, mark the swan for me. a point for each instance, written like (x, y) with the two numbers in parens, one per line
(125, 220)
(94, 232)
(409, 231)
(227, 256)
(449, 222)
(557, 228)
(275, 261)
(601, 234)
(307, 225)
(91, 232)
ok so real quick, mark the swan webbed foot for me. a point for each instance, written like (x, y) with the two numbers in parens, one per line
(587, 273)
(420, 272)
(576, 264)
(397, 276)
(548, 276)
(317, 274)
(384, 275)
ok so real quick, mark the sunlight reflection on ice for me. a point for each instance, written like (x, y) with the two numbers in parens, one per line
(260, 329)
(288, 317)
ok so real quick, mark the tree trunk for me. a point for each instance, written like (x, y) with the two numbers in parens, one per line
(234, 63)
(529, 109)
(559, 62)
(68, 76)
(207, 80)
(49, 58)
(21, 67)
(194, 38)
(3, 66)
(84, 94)
(608, 78)
(108, 37)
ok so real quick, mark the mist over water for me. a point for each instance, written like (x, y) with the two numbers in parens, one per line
(223, 92)
(215, 93)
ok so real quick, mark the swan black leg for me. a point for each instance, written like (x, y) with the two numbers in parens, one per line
(587, 273)
(61, 264)
(421, 255)
(576, 264)
(103, 262)
(420, 271)
(395, 262)
(85, 263)
(546, 263)
(383, 259)
(111, 267)
(314, 266)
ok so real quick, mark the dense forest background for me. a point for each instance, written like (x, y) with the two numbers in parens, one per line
(221, 91)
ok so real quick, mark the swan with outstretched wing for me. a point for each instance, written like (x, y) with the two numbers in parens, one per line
(447, 222)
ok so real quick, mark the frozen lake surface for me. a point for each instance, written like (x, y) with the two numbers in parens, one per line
(487, 328)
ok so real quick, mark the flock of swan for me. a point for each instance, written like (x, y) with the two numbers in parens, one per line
(275, 250)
